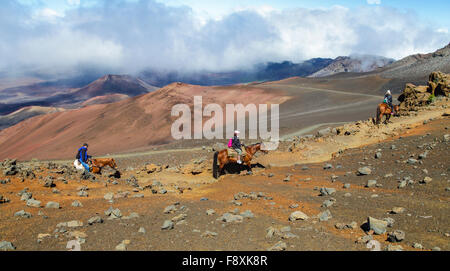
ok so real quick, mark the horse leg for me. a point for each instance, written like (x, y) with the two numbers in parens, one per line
(387, 118)
(249, 168)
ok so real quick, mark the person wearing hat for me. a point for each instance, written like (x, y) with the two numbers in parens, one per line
(388, 100)
(83, 157)
(237, 146)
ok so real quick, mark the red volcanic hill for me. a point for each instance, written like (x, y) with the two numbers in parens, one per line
(106, 99)
(127, 125)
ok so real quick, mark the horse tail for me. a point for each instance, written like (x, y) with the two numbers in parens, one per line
(378, 114)
(215, 168)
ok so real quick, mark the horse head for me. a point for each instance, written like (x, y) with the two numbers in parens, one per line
(113, 164)
(397, 110)
(254, 148)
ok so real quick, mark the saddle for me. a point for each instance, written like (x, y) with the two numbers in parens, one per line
(233, 154)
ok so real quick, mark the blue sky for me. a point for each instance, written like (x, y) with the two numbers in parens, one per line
(128, 36)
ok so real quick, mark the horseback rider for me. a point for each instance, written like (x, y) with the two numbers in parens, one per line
(388, 100)
(83, 157)
(237, 146)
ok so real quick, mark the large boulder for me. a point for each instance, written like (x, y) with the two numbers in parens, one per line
(439, 84)
(415, 96)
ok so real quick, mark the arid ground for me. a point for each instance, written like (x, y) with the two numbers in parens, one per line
(179, 206)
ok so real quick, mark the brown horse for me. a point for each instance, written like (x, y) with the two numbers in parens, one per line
(223, 158)
(99, 163)
(384, 109)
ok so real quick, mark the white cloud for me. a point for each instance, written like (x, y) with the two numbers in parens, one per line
(127, 36)
(73, 2)
(374, 2)
(442, 30)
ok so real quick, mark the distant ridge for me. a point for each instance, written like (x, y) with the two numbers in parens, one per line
(356, 63)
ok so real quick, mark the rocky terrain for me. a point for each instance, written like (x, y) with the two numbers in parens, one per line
(335, 190)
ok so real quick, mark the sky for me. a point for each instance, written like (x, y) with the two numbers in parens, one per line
(128, 36)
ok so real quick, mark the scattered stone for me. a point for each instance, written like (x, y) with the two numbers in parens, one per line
(397, 210)
(247, 214)
(108, 196)
(298, 215)
(74, 224)
(391, 247)
(23, 214)
(227, 217)
(377, 155)
(364, 239)
(328, 166)
(3, 199)
(209, 234)
(170, 209)
(339, 226)
(423, 155)
(324, 191)
(167, 225)
(49, 182)
(364, 171)
(378, 226)
(76, 203)
(179, 218)
(210, 212)
(115, 213)
(353, 225)
(280, 246)
(52, 205)
(123, 245)
(26, 196)
(411, 161)
(396, 236)
(426, 180)
(346, 186)
(34, 203)
(325, 215)
(42, 236)
(417, 245)
(83, 194)
(142, 230)
(4, 246)
(95, 219)
(328, 203)
(371, 183)
(402, 184)
(390, 221)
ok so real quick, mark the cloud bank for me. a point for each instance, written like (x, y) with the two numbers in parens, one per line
(128, 37)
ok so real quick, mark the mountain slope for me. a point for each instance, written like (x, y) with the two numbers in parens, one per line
(25, 113)
(416, 68)
(134, 123)
(356, 63)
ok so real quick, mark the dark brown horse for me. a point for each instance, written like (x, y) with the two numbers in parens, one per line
(223, 158)
(99, 163)
(384, 109)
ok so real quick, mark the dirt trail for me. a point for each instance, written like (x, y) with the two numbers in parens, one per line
(321, 149)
